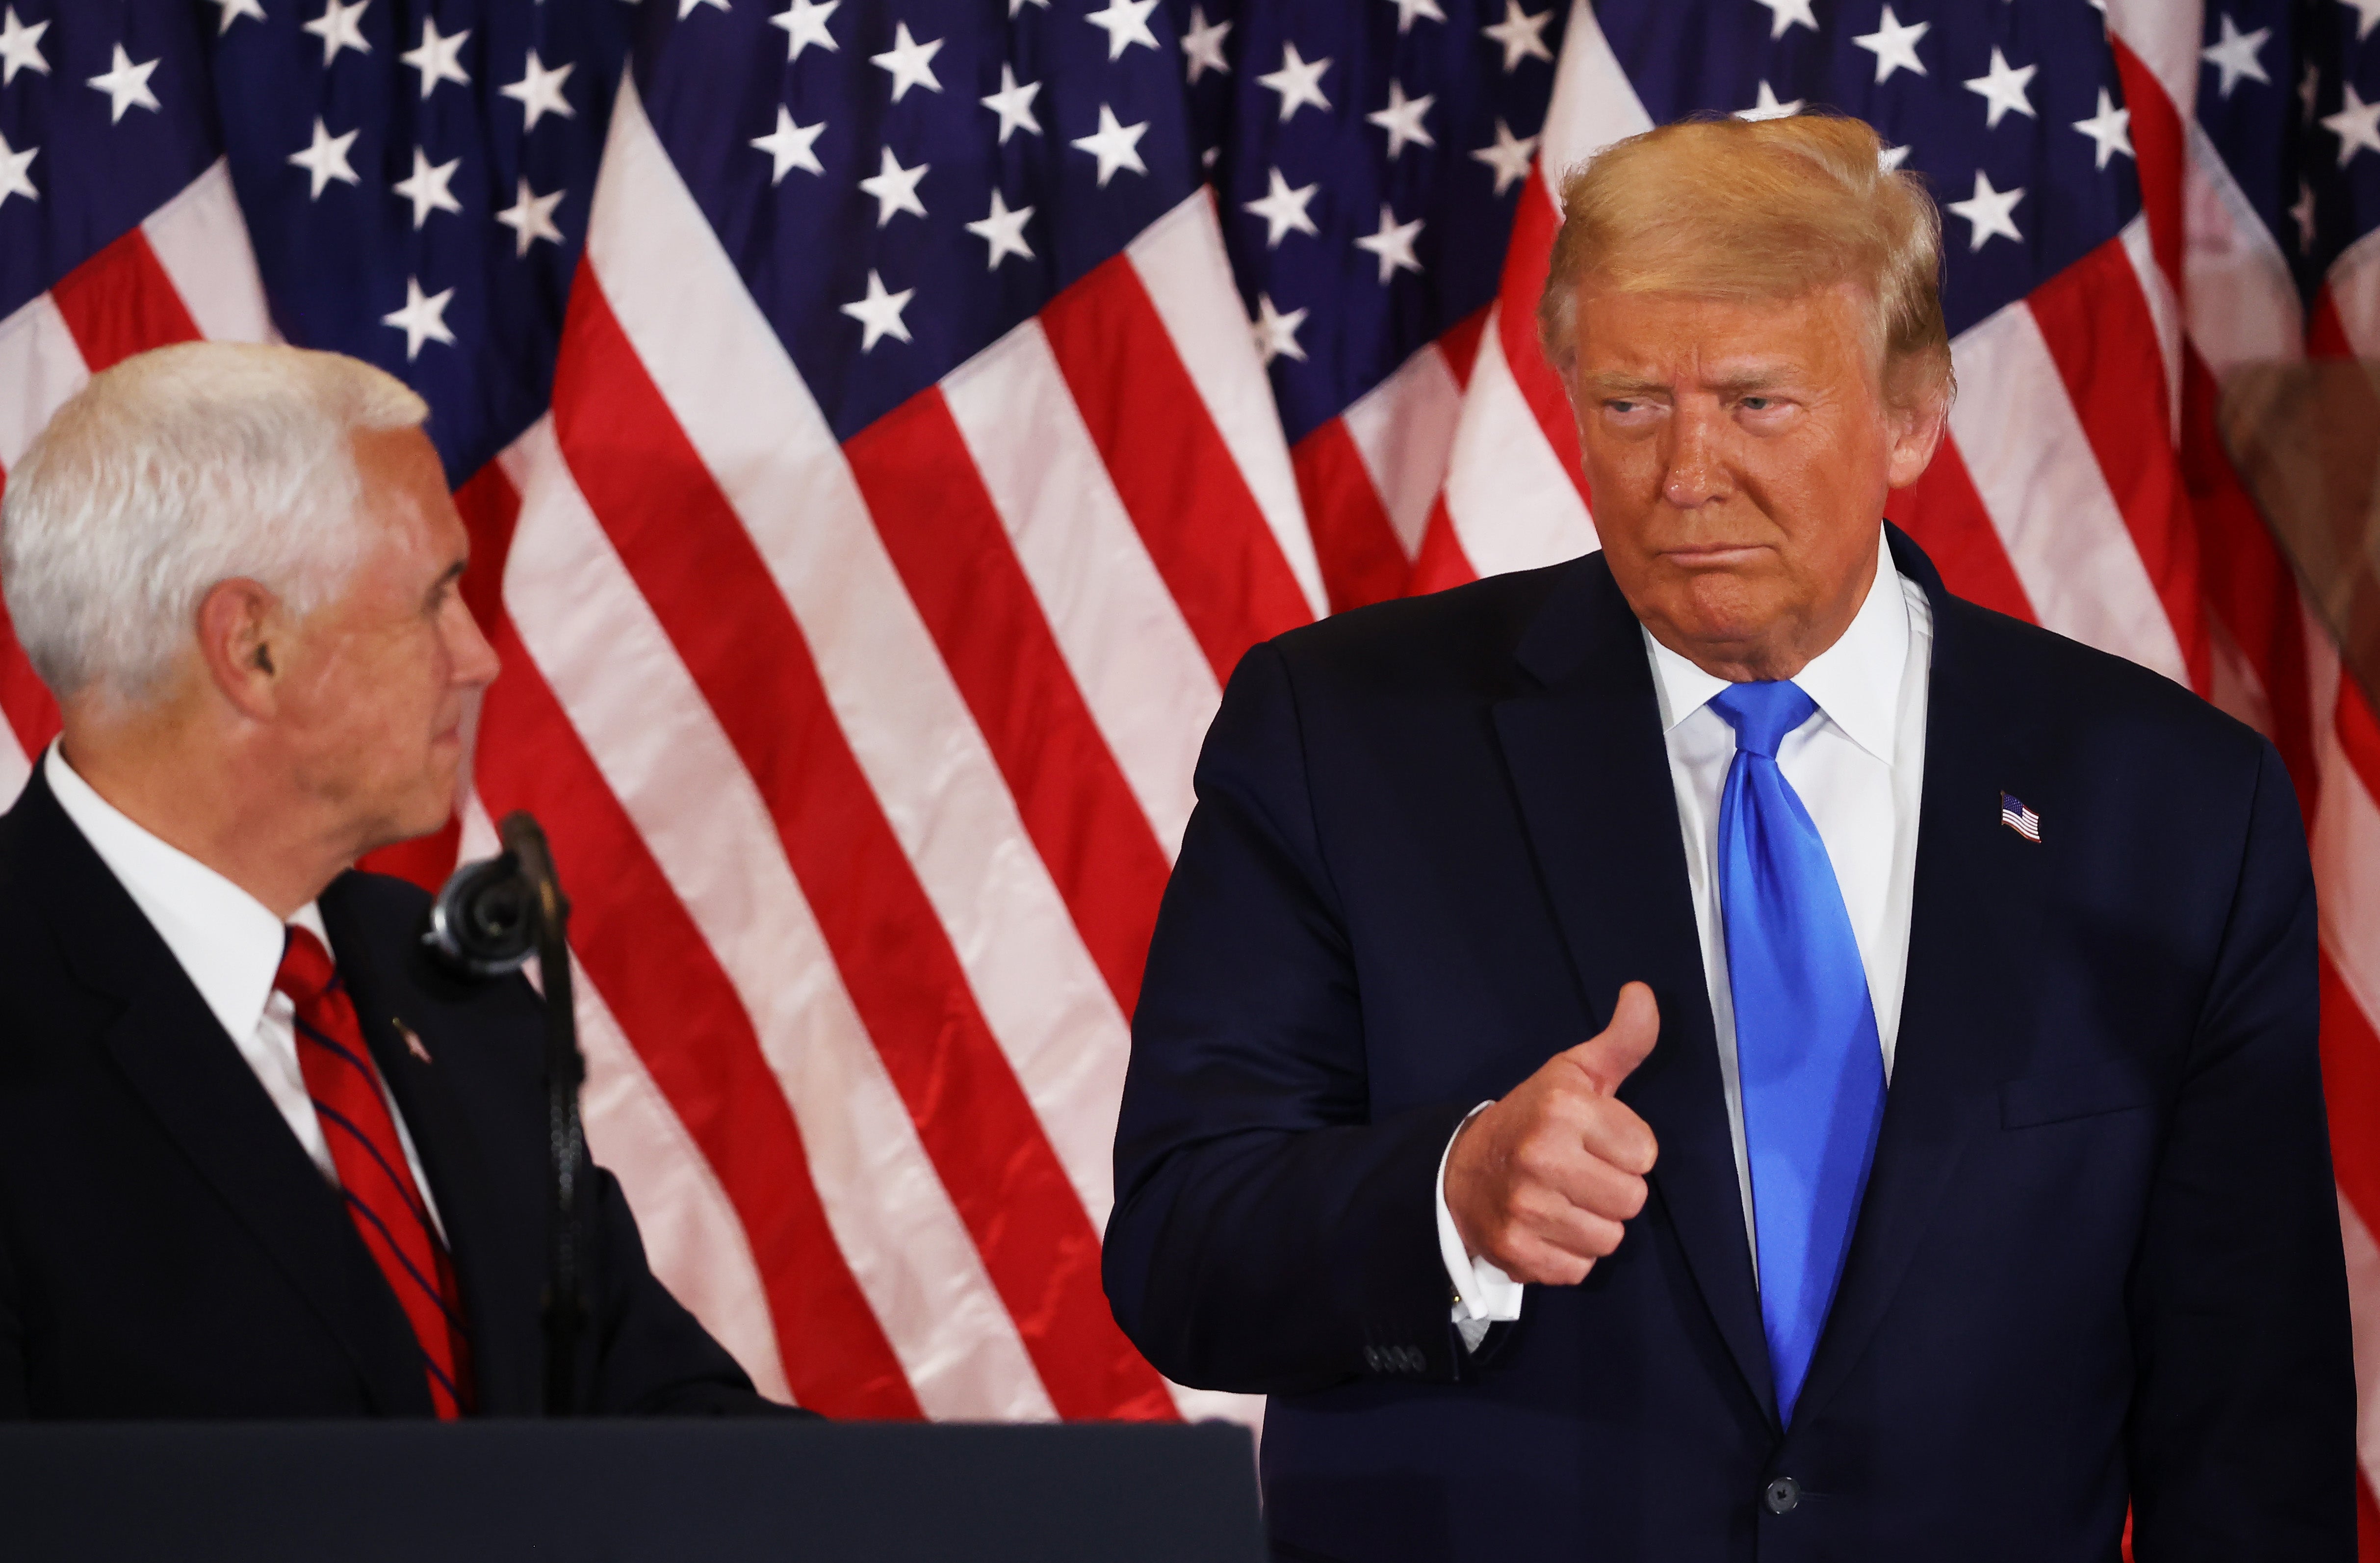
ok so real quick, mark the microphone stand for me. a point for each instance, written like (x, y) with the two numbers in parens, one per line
(565, 1070)
(489, 920)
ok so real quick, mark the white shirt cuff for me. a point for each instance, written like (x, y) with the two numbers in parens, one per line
(1484, 1295)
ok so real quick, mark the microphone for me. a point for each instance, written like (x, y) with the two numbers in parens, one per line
(485, 922)
(490, 917)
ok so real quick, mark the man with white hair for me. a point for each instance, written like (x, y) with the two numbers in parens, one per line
(257, 1157)
(1943, 1172)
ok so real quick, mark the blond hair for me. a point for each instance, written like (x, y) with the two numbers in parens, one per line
(170, 472)
(1758, 209)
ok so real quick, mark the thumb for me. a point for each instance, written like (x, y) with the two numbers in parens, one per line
(1612, 1055)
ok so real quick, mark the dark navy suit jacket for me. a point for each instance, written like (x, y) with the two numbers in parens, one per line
(168, 1249)
(2098, 1258)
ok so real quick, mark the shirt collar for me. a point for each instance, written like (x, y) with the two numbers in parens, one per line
(1856, 681)
(227, 941)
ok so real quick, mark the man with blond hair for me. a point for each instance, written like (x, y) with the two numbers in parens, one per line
(257, 1157)
(1721, 1049)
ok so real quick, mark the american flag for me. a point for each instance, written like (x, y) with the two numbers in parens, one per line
(2017, 818)
(884, 423)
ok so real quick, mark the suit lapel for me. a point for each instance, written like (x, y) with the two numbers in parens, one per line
(1588, 762)
(499, 1279)
(173, 1052)
(1961, 1007)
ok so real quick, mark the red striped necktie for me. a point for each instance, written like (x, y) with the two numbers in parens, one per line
(380, 1196)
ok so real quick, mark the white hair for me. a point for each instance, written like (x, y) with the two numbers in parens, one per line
(176, 470)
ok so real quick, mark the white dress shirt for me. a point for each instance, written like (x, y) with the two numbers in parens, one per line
(229, 944)
(1858, 764)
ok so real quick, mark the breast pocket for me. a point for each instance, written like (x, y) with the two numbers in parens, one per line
(2083, 1091)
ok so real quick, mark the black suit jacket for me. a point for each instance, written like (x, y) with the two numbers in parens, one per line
(168, 1249)
(2098, 1258)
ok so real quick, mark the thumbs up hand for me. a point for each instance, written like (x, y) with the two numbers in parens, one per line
(1540, 1182)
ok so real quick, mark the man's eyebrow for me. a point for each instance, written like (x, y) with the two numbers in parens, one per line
(1624, 384)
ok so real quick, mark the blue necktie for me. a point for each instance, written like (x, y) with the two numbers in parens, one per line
(1805, 1038)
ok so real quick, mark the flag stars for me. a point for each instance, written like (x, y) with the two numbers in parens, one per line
(2357, 124)
(20, 49)
(1408, 9)
(1116, 146)
(438, 58)
(326, 160)
(1767, 107)
(423, 319)
(126, 85)
(13, 177)
(1402, 120)
(1894, 45)
(539, 91)
(878, 314)
(233, 10)
(1283, 209)
(2367, 17)
(1788, 13)
(805, 24)
(686, 7)
(1522, 35)
(1509, 157)
(340, 27)
(1126, 23)
(427, 188)
(789, 145)
(531, 216)
(2003, 88)
(1299, 81)
(1014, 103)
(1988, 211)
(1276, 333)
(1890, 159)
(1004, 230)
(1392, 245)
(909, 63)
(896, 190)
(1202, 45)
(2111, 128)
(2234, 53)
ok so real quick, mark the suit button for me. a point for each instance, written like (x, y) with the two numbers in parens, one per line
(1783, 1496)
(1372, 1357)
(1410, 1358)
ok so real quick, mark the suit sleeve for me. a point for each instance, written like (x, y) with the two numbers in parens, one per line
(1268, 1235)
(2242, 1442)
(654, 1358)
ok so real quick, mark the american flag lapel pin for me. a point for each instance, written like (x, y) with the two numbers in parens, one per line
(2017, 818)
(412, 1039)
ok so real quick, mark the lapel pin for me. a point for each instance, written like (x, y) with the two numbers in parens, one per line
(2017, 818)
(412, 1039)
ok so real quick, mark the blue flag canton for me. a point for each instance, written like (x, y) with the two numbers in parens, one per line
(415, 176)
(2013, 110)
(1368, 159)
(902, 184)
(107, 111)
(2289, 96)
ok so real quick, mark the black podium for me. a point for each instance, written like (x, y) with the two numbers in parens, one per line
(682, 1491)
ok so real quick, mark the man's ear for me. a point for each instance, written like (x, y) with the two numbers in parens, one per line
(1917, 432)
(243, 642)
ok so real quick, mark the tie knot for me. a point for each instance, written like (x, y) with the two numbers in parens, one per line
(307, 971)
(1762, 713)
